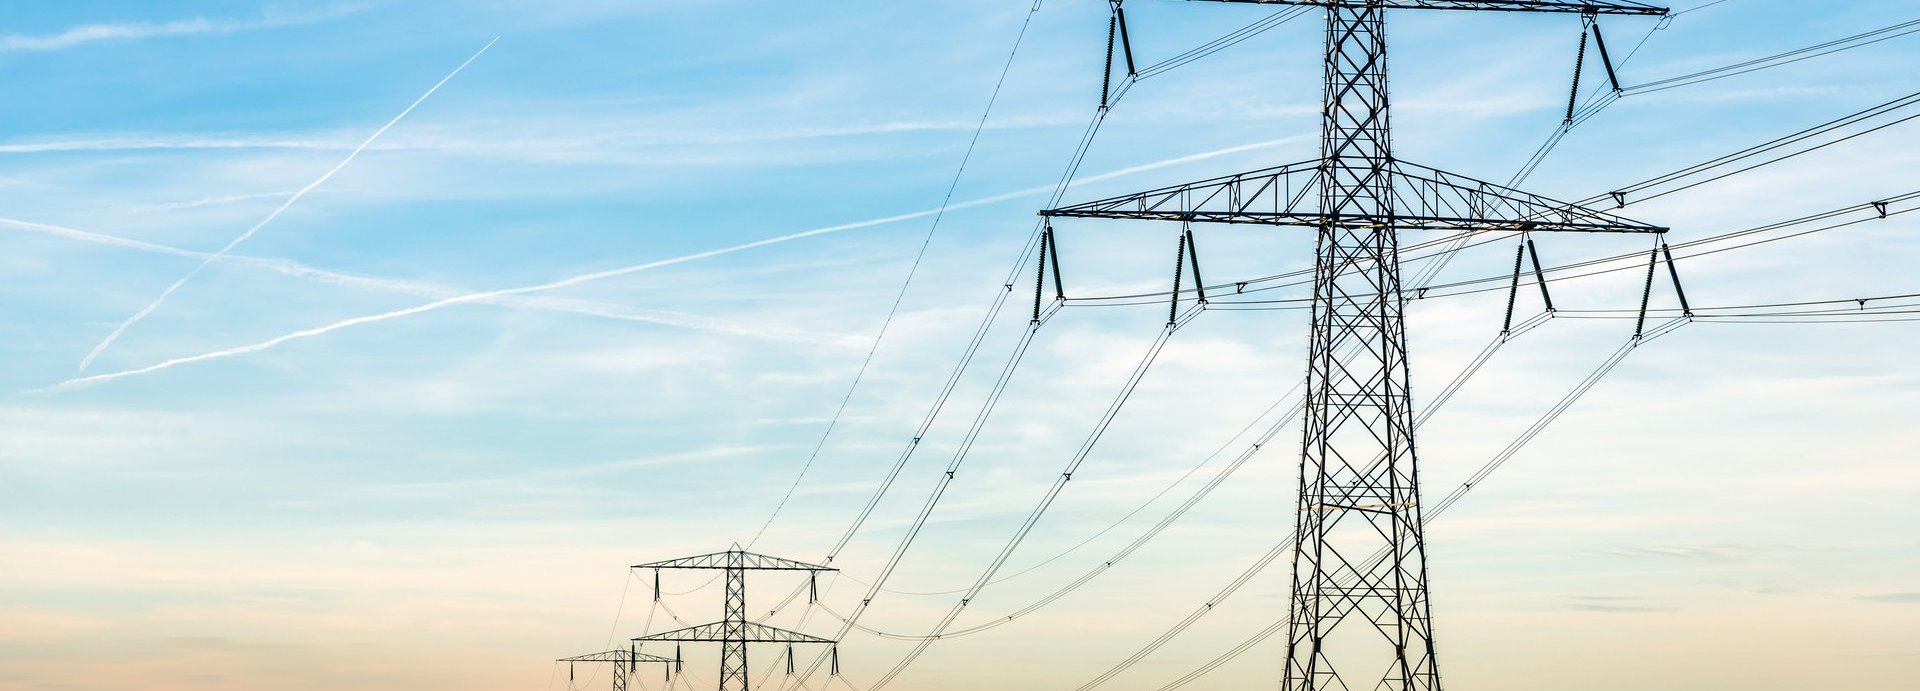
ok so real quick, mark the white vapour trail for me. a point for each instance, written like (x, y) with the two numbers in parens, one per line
(78, 382)
(249, 232)
(295, 269)
(169, 143)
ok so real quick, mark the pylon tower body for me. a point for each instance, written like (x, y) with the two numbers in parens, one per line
(1360, 480)
(733, 636)
(1360, 616)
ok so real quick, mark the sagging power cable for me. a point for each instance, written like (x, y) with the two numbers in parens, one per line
(1053, 493)
(913, 269)
(1267, 558)
(1060, 190)
(1866, 38)
(1033, 246)
(1603, 98)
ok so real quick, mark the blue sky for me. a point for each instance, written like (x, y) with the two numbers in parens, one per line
(447, 499)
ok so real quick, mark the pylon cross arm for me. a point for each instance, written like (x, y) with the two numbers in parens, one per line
(746, 560)
(748, 632)
(1290, 195)
(1574, 7)
(620, 656)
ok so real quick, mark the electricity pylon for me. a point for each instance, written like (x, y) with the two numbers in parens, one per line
(625, 662)
(1359, 551)
(733, 632)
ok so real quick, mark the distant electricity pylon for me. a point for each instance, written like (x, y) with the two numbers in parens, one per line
(1359, 551)
(625, 662)
(733, 632)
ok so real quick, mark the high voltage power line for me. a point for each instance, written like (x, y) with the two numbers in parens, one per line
(1335, 16)
(1862, 116)
(1615, 361)
(1037, 243)
(907, 283)
(1860, 307)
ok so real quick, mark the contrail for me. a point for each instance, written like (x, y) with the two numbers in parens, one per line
(242, 237)
(78, 382)
(605, 310)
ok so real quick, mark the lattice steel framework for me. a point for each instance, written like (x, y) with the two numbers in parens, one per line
(625, 662)
(1360, 552)
(733, 632)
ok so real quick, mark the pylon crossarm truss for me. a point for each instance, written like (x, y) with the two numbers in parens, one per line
(747, 560)
(625, 662)
(749, 632)
(1290, 195)
(620, 656)
(1281, 195)
(1624, 8)
(1433, 199)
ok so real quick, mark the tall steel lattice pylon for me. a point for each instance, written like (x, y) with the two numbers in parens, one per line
(1360, 615)
(733, 632)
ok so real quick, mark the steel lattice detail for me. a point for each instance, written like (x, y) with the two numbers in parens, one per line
(750, 632)
(620, 656)
(1424, 199)
(733, 629)
(734, 559)
(1359, 480)
(1360, 616)
(1573, 6)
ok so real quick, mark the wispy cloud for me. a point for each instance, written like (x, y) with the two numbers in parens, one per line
(1671, 552)
(1613, 603)
(613, 139)
(208, 201)
(543, 481)
(197, 26)
(605, 310)
(1591, 607)
(490, 295)
(1892, 597)
(255, 228)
